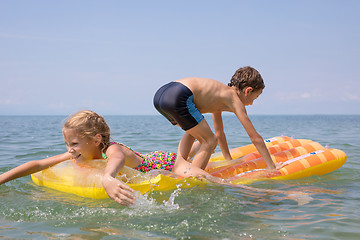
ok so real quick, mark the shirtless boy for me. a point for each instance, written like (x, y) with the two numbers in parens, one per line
(184, 101)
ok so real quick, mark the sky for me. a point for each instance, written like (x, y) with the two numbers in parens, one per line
(59, 57)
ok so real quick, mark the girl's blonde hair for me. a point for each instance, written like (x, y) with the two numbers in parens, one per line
(88, 123)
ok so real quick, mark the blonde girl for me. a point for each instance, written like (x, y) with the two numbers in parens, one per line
(87, 137)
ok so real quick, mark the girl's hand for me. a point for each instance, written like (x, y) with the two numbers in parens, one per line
(118, 191)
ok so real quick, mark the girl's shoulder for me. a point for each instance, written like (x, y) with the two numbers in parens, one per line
(124, 148)
(118, 145)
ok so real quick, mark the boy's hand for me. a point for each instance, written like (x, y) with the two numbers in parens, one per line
(280, 165)
(272, 167)
(118, 191)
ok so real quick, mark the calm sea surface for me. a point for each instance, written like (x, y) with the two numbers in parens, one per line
(28, 211)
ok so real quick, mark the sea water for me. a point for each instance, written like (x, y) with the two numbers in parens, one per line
(318, 207)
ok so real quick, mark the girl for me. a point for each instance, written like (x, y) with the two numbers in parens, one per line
(87, 137)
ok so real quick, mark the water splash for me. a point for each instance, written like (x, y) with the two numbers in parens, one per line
(147, 205)
(171, 202)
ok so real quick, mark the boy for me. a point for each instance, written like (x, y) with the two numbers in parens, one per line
(184, 101)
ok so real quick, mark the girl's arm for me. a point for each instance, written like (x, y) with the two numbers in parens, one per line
(220, 134)
(32, 167)
(116, 189)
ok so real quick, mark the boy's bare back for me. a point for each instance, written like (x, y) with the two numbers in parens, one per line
(211, 96)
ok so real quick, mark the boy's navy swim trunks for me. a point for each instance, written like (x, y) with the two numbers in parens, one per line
(175, 101)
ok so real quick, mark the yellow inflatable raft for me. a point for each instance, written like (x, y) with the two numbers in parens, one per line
(301, 158)
(85, 180)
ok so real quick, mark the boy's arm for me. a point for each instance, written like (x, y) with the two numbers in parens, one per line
(220, 134)
(116, 189)
(255, 137)
(32, 167)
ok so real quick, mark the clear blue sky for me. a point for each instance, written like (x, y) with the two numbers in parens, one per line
(58, 57)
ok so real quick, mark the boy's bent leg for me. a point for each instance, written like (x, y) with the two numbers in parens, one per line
(194, 149)
(185, 146)
(207, 140)
(186, 169)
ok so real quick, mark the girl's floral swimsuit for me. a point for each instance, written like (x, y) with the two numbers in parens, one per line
(153, 160)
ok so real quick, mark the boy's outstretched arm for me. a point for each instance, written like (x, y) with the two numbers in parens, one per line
(32, 167)
(220, 135)
(255, 137)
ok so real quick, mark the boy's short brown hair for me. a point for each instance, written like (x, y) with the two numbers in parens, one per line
(247, 77)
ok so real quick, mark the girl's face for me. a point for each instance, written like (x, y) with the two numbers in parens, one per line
(81, 148)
